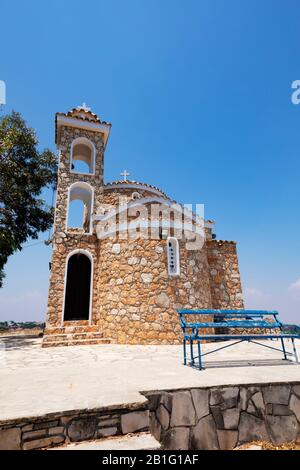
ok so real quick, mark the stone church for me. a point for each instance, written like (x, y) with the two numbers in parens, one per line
(115, 288)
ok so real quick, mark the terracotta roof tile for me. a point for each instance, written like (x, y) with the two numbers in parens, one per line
(137, 183)
(83, 115)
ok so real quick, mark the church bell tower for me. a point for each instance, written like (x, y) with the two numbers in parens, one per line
(81, 138)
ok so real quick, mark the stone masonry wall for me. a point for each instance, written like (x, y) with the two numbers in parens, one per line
(192, 419)
(78, 426)
(226, 290)
(224, 417)
(137, 300)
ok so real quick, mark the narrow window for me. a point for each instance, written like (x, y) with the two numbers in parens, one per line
(173, 256)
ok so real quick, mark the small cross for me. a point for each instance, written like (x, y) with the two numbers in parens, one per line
(125, 174)
(84, 107)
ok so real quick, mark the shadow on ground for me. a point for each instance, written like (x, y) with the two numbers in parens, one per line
(245, 363)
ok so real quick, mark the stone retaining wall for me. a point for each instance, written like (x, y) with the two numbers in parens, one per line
(37, 433)
(224, 417)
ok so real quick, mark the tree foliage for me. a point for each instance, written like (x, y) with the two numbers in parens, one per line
(24, 172)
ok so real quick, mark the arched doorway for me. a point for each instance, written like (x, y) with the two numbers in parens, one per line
(78, 287)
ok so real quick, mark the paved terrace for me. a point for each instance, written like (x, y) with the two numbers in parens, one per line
(35, 381)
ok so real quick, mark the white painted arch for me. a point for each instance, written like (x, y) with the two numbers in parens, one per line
(84, 192)
(84, 150)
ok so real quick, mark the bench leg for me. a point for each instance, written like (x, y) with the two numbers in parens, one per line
(283, 348)
(192, 352)
(199, 355)
(184, 352)
(295, 350)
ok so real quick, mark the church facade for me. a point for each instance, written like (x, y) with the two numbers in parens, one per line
(116, 280)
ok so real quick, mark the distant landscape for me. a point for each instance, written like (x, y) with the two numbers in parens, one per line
(21, 328)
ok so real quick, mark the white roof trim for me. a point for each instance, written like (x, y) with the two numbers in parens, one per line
(136, 186)
(81, 124)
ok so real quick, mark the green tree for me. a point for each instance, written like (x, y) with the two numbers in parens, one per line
(24, 172)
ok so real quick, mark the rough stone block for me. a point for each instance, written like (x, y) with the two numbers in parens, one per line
(201, 402)
(82, 428)
(46, 442)
(105, 432)
(183, 412)
(243, 401)
(116, 248)
(163, 417)
(153, 401)
(28, 436)
(282, 428)
(10, 439)
(215, 396)
(231, 418)
(155, 426)
(296, 390)
(281, 410)
(226, 397)
(56, 430)
(277, 394)
(251, 428)
(258, 402)
(269, 409)
(204, 435)
(166, 399)
(218, 416)
(227, 439)
(251, 408)
(295, 406)
(45, 425)
(134, 421)
(162, 300)
(176, 439)
(108, 423)
(27, 427)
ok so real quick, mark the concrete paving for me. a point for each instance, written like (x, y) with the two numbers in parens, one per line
(36, 381)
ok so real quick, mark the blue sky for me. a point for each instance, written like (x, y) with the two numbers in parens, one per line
(199, 95)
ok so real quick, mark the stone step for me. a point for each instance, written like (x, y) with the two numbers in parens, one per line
(86, 335)
(72, 329)
(72, 336)
(138, 441)
(79, 342)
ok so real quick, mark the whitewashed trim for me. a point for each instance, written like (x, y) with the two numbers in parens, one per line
(88, 187)
(81, 124)
(136, 186)
(88, 143)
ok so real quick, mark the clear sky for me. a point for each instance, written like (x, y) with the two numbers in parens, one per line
(199, 96)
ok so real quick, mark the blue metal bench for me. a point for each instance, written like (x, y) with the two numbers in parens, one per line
(244, 319)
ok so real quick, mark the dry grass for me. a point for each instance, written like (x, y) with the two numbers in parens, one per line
(22, 332)
(268, 446)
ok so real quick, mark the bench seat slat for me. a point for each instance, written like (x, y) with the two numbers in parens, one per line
(245, 336)
(234, 324)
(228, 312)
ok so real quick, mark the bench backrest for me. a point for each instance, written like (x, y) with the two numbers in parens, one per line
(239, 318)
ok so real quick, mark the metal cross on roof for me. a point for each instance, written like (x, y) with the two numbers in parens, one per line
(125, 174)
(84, 107)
